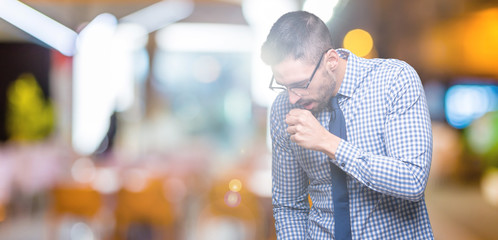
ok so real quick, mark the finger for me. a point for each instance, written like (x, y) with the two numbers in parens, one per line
(298, 112)
(296, 138)
(291, 120)
(292, 130)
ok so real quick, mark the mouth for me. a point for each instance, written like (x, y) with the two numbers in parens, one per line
(307, 105)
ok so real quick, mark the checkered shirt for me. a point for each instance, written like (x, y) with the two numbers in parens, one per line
(387, 158)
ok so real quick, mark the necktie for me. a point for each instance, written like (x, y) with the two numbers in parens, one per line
(337, 126)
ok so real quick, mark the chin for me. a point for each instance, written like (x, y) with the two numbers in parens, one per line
(320, 107)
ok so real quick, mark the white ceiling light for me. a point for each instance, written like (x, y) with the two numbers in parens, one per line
(160, 14)
(324, 9)
(39, 26)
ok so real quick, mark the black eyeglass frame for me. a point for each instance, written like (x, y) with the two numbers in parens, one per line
(283, 88)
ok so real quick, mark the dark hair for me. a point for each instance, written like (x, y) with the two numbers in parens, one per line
(300, 35)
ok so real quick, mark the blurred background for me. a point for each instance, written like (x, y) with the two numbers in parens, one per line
(147, 119)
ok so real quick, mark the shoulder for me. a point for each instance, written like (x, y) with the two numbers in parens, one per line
(395, 78)
(391, 66)
(385, 69)
(281, 106)
(279, 109)
(397, 74)
(404, 87)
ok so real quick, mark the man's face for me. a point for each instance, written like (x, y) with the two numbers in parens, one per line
(294, 74)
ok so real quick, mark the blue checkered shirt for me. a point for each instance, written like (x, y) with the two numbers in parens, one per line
(387, 158)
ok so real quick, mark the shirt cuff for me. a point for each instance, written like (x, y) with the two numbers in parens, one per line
(348, 156)
(352, 161)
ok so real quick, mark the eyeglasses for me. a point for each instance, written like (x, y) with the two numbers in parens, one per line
(300, 91)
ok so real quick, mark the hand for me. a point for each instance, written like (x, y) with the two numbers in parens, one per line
(306, 131)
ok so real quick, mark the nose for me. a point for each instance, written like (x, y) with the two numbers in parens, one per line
(293, 98)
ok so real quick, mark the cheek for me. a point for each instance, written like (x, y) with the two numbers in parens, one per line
(326, 90)
(323, 88)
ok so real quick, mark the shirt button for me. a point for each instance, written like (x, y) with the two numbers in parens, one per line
(343, 164)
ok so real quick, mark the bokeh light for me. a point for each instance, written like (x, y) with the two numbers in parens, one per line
(81, 231)
(232, 199)
(489, 186)
(482, 135)
(106, 181)
(235, 185)
(359, 42)
(83, 170)
(134, 180)
(465, 103)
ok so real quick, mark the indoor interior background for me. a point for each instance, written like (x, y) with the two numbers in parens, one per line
(147, 119)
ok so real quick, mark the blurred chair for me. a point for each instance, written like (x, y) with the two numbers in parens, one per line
(73, 203)
(144, 214)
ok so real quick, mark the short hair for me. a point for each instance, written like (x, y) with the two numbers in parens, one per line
(301, 35)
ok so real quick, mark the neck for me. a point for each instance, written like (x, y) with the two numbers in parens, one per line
(341, 71)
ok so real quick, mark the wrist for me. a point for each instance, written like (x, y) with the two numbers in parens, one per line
(330, 145)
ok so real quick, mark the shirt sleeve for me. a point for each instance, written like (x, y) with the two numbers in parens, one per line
(289, 182)
(404, 171)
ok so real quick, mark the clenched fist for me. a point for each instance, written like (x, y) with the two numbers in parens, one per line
(306, 131)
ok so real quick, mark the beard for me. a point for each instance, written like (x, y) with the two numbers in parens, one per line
(322, 97)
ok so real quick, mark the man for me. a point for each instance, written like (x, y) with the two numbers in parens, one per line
(384, 152)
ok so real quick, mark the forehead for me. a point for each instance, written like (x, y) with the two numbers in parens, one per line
(290, 71)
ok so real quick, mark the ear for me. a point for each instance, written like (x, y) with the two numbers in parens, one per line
(331, 60)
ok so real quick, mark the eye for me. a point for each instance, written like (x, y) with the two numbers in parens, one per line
(301, 84)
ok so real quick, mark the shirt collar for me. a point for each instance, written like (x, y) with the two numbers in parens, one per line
(356, 70)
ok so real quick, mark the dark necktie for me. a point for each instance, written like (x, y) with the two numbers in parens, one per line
(337, 126)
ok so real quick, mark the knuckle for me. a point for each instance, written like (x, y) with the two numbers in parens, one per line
(299, 128)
